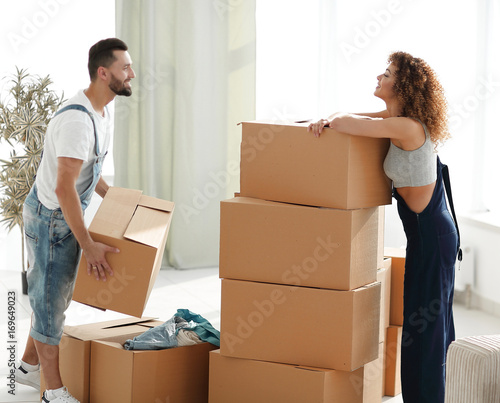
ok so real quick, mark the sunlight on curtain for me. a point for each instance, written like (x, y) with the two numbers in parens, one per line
(177, 136)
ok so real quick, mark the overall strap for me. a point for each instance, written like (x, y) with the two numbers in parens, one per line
(447, 185)
(83, 109)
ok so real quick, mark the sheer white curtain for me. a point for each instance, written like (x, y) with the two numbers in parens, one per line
(176, 137)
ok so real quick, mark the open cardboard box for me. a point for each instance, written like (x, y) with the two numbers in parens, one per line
(300, 325)
(298, 245)
(178, 374)
(251, 381)
(393, 360)
(374, 378)
(138, 226)
(284, 162)
(384, 277)
(398, 261)
(75, 348)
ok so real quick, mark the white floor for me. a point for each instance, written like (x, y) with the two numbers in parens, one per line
(197, 290)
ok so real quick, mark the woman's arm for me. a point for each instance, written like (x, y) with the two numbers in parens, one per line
(357, 125)
(396, 128)
(382, 114)
(317, 127)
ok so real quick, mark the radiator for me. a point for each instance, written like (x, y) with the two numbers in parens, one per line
(473, 370)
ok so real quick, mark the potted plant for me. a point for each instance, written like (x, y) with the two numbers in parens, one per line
(24, 115)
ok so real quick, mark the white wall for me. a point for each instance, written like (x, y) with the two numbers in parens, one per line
(52, 37)
(481, 232)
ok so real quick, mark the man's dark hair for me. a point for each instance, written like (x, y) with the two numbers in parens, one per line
(101, 54)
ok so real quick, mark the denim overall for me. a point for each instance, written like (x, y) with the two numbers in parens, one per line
(428, 329)
(53, 255)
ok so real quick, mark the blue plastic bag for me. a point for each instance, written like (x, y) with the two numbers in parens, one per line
(165, 335)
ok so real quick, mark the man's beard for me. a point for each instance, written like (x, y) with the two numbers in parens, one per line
(118, 87)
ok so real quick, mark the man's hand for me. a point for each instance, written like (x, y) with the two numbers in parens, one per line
(95, 254)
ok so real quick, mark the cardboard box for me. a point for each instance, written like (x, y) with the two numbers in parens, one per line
(137, 225)
(393, 360)
(300, 325)
(373, 382)
(284, 162)
(298, 245)
(250, 381)
(75, 346)
(140, 376)
(398, 258)
(381, 236)
(384, 277)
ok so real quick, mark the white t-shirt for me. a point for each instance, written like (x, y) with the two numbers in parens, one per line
(71, 134)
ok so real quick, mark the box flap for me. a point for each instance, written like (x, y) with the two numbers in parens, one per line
(299, 123)
(148, 226)
(157, 204)
(152, 323)
(92, 330)
(115, 212)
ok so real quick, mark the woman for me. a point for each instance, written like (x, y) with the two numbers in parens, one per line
(415, 120)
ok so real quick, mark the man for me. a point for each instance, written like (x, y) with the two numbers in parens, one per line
(70, 171)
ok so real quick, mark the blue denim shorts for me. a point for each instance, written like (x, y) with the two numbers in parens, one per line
(53, 257)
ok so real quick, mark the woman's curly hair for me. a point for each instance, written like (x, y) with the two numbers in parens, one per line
(421, 95)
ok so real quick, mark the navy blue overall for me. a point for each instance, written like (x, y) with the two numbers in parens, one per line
(428, 329)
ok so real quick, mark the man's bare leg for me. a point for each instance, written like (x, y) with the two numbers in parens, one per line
(49, 361)
(30, 355)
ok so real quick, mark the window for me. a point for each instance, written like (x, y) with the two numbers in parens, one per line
(323, 57)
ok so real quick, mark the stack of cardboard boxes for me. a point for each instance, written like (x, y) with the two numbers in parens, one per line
(303, 304)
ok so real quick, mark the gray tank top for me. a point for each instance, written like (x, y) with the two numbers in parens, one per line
(412, 168)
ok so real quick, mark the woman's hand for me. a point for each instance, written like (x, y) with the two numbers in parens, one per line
(317, 128)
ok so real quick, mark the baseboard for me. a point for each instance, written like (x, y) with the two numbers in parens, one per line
(476, 301)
